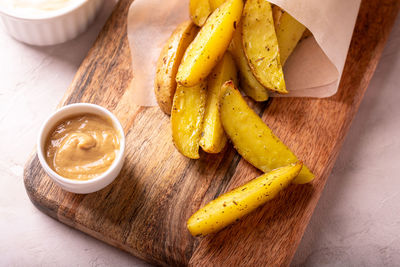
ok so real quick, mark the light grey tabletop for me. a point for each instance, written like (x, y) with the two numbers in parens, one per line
(356, 222)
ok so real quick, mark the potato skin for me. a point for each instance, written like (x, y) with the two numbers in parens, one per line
(210, 44)
(187, 118)
(213, 138)
(168, 63)
(248, 83)
(233, 205)
(252, 138)
(261, 45)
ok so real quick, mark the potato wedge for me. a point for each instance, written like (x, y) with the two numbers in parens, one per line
(289, 32)
(213, 138)
(261, 45)
(210, 44)
(233, 205)
(252, 138)
(199, 11)
(216, 4)
(187, 118)
(168, 63)
(248, 83)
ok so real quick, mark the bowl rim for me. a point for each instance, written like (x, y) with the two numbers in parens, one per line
(44, 15)
(48, 124)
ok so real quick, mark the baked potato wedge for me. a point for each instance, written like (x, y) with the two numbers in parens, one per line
(199, 11)
(213, 138)
(233, 205)
(187, 118)
(248, 83)
(210, 44)
(261, 45)
(168, 63)
(288, 32)
(216, 4)
(252, 138)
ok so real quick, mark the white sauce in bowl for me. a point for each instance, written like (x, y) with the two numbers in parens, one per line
(36, 7)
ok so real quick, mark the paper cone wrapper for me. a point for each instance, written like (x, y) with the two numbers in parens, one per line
(313, 69)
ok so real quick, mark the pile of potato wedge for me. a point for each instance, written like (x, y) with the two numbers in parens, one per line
(226, 46)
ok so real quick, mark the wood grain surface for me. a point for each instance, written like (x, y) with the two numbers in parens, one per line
(144, 211)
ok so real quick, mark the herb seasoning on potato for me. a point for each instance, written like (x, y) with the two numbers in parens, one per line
(193, 60)
(232, 206)
(200, 10)
(261, 45)
(187, 118)
(196, 75)
(213, 138)
(168, 63)
(210, 44)
(252, 138)
(248, 83)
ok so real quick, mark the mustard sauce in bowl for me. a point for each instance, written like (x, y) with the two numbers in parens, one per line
(82, 147)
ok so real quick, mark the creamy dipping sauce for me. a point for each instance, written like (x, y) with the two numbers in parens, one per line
(82, 147)
(31, 7)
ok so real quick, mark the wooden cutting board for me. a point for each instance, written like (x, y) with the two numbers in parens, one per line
(144, 211)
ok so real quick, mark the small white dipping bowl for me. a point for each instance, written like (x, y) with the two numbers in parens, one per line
(50, 27)
(96, 183)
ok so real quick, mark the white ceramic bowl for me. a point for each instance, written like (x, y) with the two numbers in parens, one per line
(94, 184)
(50, 27)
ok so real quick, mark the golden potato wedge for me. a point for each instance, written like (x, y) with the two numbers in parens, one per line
(168, 63)
(187, 118)
(233, 205)
(210, 44)
(261, 45)
(288, 32)
(216, 4)
(252, 138)
(213, 138)
(199, 11)
(248, 83)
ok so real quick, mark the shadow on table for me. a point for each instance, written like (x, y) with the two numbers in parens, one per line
(74, 51)
(313, 250)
